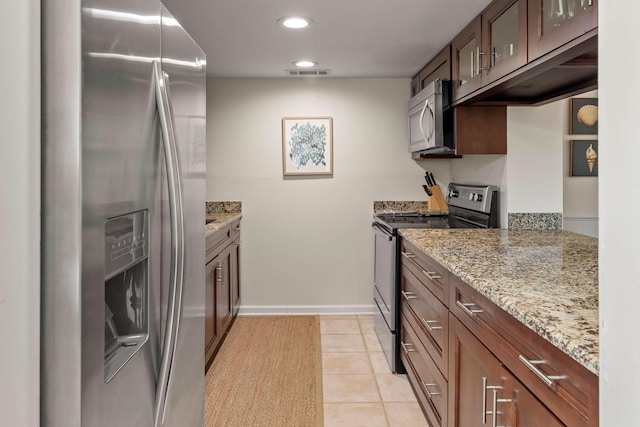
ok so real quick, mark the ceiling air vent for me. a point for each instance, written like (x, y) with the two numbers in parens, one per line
(308, 73)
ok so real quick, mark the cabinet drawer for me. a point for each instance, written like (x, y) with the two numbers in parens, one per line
(429, 384)
(430, 316)
(235, 230)
(567, 388)
(429, 272)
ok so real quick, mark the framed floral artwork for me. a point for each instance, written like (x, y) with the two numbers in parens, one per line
(307, 145)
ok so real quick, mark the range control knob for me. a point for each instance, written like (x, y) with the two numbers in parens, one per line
(471, 196)
(453, 192)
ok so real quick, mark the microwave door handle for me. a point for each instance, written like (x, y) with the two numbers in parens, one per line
(424, 110)
(432, 121)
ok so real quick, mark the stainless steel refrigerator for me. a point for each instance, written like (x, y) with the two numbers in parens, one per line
(123, 187)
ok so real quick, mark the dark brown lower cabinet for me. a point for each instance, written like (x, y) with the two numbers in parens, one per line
(429, 385)
(483, 392)
(218, 309)
(210, 324)
(222, 286)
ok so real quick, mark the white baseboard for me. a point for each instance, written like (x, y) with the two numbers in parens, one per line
(581, 225)
(291, 310)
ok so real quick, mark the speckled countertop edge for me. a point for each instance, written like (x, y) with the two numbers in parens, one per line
(221, 214)
(548, 280)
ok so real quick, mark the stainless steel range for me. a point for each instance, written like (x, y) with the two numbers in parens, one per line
(470, 206)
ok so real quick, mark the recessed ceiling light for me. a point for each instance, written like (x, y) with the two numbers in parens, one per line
(305, 64)
(294, 22)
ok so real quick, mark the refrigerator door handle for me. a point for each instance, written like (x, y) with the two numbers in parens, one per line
(165, 111)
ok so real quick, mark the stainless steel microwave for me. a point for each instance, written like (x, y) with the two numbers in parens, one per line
(431, 120)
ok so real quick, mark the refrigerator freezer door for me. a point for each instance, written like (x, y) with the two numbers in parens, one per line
(122, 172)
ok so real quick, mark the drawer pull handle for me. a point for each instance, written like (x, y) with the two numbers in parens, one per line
(407, 347)
(465, 307)
(430, 394)
(549, 380)
(428, 324)
(432, 275)
(494, 406)
(408, 255)
(408, 295)
(219, 273)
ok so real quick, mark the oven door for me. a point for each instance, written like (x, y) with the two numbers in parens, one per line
(384, 275)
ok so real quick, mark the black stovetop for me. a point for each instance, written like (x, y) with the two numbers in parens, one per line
(402, 220)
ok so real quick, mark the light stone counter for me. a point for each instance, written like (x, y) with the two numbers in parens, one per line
(548, 280)
(220, 214)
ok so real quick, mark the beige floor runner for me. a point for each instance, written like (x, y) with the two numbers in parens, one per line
(268, 372)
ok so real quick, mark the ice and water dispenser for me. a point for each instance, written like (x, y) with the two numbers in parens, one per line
(126, 289)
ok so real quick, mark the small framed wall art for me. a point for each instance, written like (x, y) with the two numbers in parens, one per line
(583, 116)
(307, 145)
(584, 158)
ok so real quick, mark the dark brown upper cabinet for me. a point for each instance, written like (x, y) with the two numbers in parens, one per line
(490, 47)
(553, 23)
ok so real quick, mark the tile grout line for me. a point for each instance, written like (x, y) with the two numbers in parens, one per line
(375, 376)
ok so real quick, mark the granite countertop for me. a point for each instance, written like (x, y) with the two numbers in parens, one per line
(548, 280)
(220, 214)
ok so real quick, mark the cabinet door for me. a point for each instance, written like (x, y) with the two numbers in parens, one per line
(475, 381)
(552, 23)
(438, 68)
(223, 290)
(504, 38)
(210, 325)
(415, 85)
(235, 277)
(465, 69)
(529, 411)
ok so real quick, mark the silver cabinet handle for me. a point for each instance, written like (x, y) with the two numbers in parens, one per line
(219, 273)
(494, 404)
(405, 347)
(430, 394)
(428, 324)
(174, 178)
(408, 255)
(549, 380)
(478, 67)
(473, 69)
(484, 400)
(465, 307)
(432, 275)
(408, 295)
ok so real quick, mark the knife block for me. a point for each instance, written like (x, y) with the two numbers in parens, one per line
(436, 202)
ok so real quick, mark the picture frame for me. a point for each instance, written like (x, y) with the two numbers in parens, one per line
(583, 116)
(307, 145)
(583, 158)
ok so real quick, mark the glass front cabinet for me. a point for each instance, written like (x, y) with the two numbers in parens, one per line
(493, 45)
(553, 23)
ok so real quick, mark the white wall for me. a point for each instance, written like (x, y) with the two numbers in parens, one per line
(20, 213)
(308, 241)
(619, 242)
(580, 195)
(534, 146)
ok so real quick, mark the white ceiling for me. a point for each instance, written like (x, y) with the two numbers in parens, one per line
(352, 38)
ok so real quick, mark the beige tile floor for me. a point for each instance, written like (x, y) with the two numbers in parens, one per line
(358, 386)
